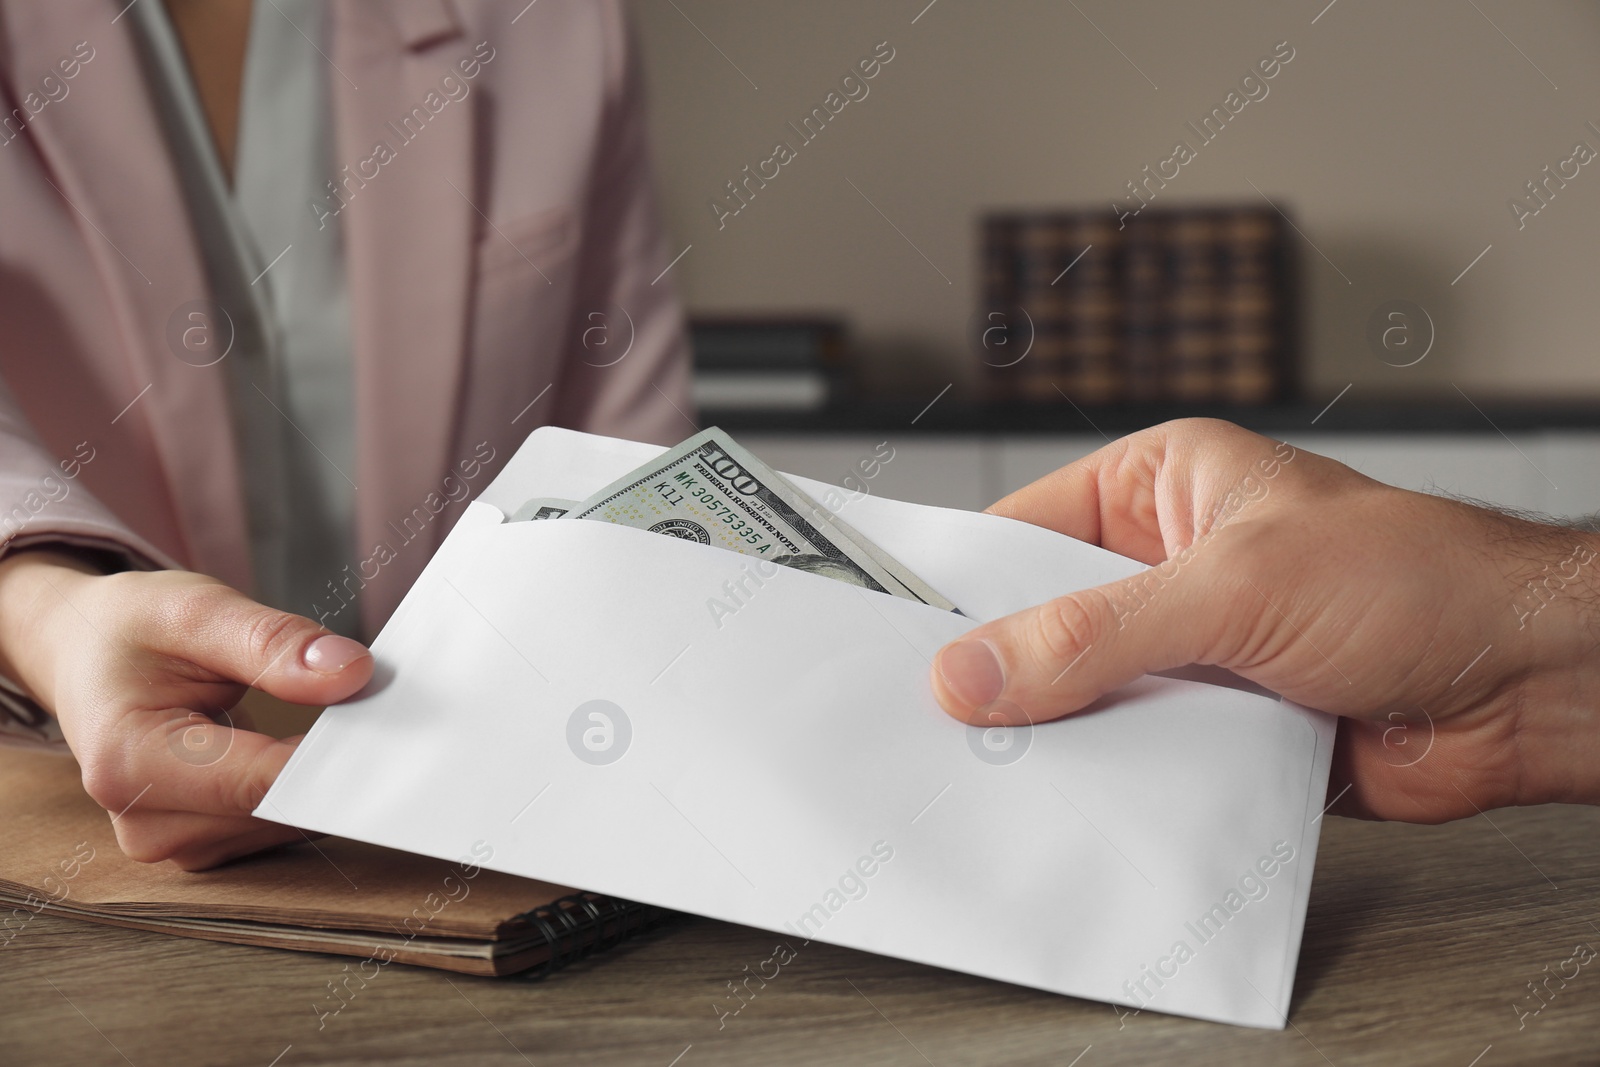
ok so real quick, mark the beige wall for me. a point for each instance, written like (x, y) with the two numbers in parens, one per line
(1396, 137)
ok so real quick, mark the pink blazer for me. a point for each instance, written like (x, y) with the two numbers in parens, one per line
(526, 294)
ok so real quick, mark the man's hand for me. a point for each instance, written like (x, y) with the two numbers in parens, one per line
(142, 670)
(1458, 642)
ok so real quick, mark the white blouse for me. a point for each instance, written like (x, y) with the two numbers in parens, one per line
(279, 272)
(274, 259)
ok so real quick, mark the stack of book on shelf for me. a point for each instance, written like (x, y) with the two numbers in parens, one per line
(1174, 305)
(772, 364)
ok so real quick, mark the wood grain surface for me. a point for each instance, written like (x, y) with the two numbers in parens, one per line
(1420, 947)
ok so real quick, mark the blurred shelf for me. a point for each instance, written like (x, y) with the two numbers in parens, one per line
(948, 415)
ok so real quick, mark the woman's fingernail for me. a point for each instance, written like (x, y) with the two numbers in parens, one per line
(971, 670)
(330, 653)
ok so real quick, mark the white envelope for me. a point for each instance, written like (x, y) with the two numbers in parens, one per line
(563, 698)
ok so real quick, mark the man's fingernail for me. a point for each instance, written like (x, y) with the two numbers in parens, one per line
(971, 670)
(330, 653)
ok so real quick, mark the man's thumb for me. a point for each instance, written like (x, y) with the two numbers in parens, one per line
(1048, 661)
(286, 655)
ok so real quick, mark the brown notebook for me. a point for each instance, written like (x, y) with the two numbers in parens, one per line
(58, 853)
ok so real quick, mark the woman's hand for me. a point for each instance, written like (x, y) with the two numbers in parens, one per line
(1458, 642)
(142, 670)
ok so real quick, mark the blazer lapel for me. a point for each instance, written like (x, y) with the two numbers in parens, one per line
(407, 195)
(106, 152)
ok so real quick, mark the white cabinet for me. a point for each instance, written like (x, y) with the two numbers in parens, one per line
(951, 472)
(1484, 467)
(1027, 459)
(1554, 472)
(1571, 462)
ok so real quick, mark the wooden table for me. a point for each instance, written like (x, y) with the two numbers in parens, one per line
(1420, 947)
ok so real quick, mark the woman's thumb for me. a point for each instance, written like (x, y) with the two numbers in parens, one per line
(286, 655)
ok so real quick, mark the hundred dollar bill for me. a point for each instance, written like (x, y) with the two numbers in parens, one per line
(711, 490)
(917, 587)
(543, 507)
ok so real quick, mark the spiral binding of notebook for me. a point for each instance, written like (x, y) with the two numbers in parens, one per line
(583, 924)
